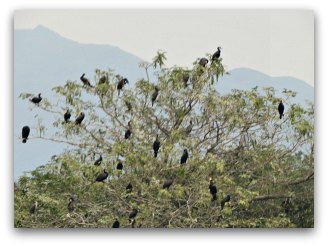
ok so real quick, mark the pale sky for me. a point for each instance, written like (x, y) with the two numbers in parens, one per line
(275, 42)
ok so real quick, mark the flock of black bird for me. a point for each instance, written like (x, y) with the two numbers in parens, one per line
(156, 144)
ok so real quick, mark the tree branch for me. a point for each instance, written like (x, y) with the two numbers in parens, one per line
(270, 197)
(303, 180)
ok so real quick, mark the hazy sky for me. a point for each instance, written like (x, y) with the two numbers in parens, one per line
(276, 42)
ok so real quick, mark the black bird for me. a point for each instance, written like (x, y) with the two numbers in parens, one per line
(217, 54)
(168, 183)
(98, 161)
(286, 204)
(213, 190)
(184, 157)
(154, 95)
(120, 84)
(203, 62)
(25, 133)
(224, 200)
(102, 177)
(70, 206)
(67, 116)
(79, 119)
(34, 207)
(119, 166)
(85, 80)
(185, 78)
(133, 213)
(129, 188)
(36, 100)
(128, 132)
(116, 224)
(156, 146)
(281, 109)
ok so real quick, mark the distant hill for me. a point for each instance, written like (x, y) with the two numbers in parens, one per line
(246, 79)
(44, 59)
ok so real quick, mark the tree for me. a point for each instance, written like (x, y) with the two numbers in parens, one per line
(264, 163)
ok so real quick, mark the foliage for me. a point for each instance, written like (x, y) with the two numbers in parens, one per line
(264, 163)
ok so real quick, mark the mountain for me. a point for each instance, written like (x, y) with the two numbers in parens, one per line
(246, 79)
(44, 59)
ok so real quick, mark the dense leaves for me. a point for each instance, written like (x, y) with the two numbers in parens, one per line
(264, 163)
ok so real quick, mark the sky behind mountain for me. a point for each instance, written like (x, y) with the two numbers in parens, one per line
(275, 42)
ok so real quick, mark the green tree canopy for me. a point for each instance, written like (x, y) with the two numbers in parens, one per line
(264, 163)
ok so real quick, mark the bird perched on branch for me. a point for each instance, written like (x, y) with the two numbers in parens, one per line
(128, 132)
(67, 116)
(119, 166)
(156, 146)
(36, 100)
(281, 109)
(217, 54)
(133, 214)
(224, 200)
(184, 157)
(79, 119)
(25, 133)
(98, 161)
(168, 183)
(213, 190)
(203, 62)
(85, 81)
(102, 177)
(154, 95)
(70, 206)
(116, 224)
(120, 84)
(129, 188)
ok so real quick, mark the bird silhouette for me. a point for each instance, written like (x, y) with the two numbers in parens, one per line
(184, 157)
(133, 213)
(120, 85)
(129, 188)
(203, 62)
(85, 81)
(36, 100)
(217, 54)
(25, 133)
(67, 116)
(98, 161)
(79, 119)
(70, 206)
(168, 183)
(128, 132)
(281, 109)
(102, 177)
(116, 224)
(224, 200)
(119, 166)
(156, 146)
(154, 95)
(213, 190)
